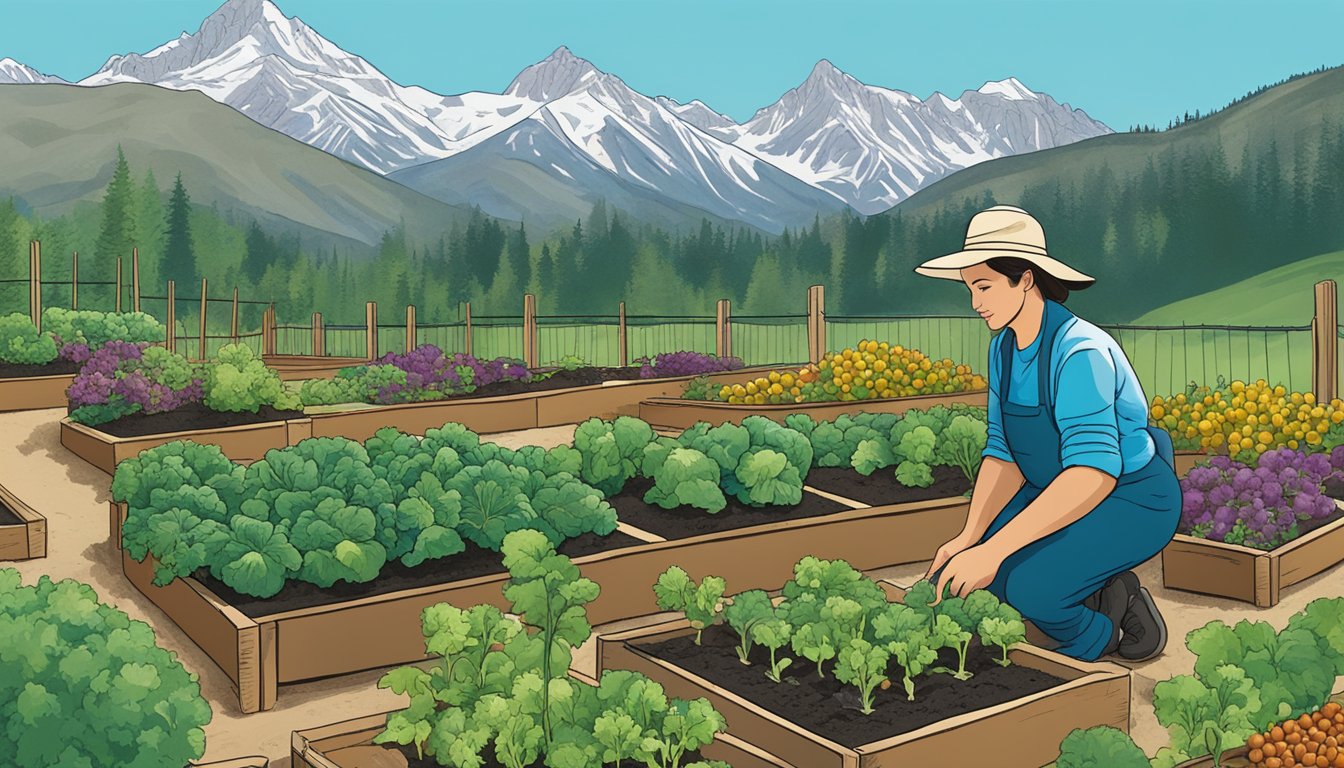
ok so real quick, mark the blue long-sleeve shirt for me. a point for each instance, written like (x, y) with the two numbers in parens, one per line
(1099, 408)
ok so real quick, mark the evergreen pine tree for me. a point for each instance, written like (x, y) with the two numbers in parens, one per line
(116, 233)
(179, 256)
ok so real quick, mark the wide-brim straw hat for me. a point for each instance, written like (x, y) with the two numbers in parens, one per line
(1003, 230)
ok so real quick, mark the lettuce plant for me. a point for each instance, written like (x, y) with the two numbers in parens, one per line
(687, 478)
(612, 451)
(84, 685)
(93, 329)
(864, 666)
(760, 462)
(1100, 747)
(702, 603)
(746, 610)
(238, 380)
(21, 343)
(906, 635)
(773, 633)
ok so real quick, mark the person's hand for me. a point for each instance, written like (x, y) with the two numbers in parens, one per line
(972, 569)
(952, 548)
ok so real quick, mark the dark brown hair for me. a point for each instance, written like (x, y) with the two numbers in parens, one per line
(1051, 287)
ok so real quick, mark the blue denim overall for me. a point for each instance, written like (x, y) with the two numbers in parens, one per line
(1048, 579)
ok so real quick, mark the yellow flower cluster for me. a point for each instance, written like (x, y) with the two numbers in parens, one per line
(1245, 417)
(868, 371)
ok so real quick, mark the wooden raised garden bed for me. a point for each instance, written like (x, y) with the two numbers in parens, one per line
(350, 745)
(299, 367)
(23, 532)
(33, 393)
(1024, 731)
(505, 413)
(675, 413)
(247, 442)
(260, 651)
(1251, 575)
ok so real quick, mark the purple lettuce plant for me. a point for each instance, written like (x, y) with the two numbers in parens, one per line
(93, 384)
(685, 363)
(123, 378)
(431, 374)
(1262, 507)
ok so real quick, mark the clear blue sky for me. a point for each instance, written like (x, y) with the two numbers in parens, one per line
(1124, 62)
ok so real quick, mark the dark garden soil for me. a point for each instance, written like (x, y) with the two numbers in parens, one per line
(54, 368)
(685, 522)
(191, 416)
(7, 516)
(1334, 488)
(408, 752)
(473, 561)
(828, 709)
(881, 486)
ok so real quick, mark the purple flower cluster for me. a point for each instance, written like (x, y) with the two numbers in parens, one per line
(1260, 507)
(121, 372)
(93, 385)
(431, 374)
(685, 363)
(76, 352)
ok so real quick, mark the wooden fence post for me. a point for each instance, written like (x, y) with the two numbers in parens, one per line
(74, 281)
(723, 329)
(816, 323)
(1324, 344)
(118, 282)
(621, 345)
(467, 341)
(530, 352)
(371, 330)
(135, 280)
(268, 331)
(170, 321)
(410, 327)
(233, 317)
(201, 341)
(319, 336)
(35, 283)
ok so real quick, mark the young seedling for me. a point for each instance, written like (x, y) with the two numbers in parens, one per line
(1003, 629)
(948, 633)
(746, 610)
(864, 666)
(774, 634)
(702, 603)
(906, 635)
(814, 642)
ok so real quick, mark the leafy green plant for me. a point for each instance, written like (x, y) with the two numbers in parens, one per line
(1004, 630)
(21, 343)
(702, 603)
(906, 634)
(1207, 713)
(921, 440)
(95, 329)
(961, 444)
(237, 380)
(686, 477)
(773, 633)
(760, 462)
(699, 388)
(815, 581)
(864, 666)
(836, 442)
(612, 451)
(746, 610)
(84, 685)
(1100, 747)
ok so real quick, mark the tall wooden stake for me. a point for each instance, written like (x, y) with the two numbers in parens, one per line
(410, 327)
(135, 280)
(74, 281)
(371, 330)
(35, 283)
(204, 307)
(816, 323)
(1325, 345)
(233, 317)
(171, 321)
(621, 345)
(118, 302)
(319, 336)
(723, 343)
(530, 355)
(467, 342)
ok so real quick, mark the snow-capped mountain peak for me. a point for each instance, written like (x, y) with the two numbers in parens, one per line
(699, 114)
(1010, 88)
(554, 76)
(12, 71)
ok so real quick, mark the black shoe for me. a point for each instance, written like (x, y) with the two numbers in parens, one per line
(1144, 633)
(1113, 600)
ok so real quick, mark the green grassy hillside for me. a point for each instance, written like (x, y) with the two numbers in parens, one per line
(59, 148)
(1281, 296)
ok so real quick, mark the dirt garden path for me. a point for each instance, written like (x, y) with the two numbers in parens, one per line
(73, 496)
